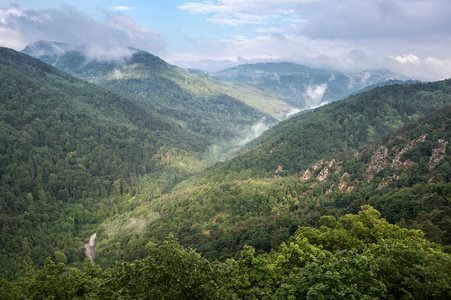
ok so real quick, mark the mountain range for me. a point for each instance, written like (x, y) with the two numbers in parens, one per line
(305, 87)
(123, 148)
(274, 183)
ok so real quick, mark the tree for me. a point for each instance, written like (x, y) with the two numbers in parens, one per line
(169, 272)
(60, 257)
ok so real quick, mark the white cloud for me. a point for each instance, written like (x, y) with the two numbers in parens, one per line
(315, 94)
(205, 7)
(429, 68)
(13, 11)
(407, 59)
(240, 19)
(267, 30)
(121, 8)
(21, 26)
(338, 19)
(346, 35)
(403, 19)
(257, 7)
(240, 12)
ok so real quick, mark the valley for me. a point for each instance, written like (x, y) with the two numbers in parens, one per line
(263, 181)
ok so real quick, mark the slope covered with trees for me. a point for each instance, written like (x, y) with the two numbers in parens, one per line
(406, 175)
(293, 145)
(72, 154)
(286, 219)
(194, 100)
(358, 256)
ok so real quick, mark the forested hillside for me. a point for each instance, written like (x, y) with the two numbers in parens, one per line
(350, 200)
(195, 100)
(293, 145)
(73, 154)
(358, 256)
(406, 175)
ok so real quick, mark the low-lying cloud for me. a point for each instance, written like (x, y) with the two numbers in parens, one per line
(254, 132)
(22, 26)
(411, 37)
(314, 95)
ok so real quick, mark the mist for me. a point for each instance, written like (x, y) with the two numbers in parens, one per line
(255, 131)
(102, 39)
(314, 95)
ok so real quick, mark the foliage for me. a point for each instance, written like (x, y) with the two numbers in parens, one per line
(73, 154)
(199, 104)
(169, 272)
(343, 126)
(390, 263)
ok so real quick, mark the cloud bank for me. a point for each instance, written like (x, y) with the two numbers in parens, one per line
(22, 26)
(407, 36)
(411, 37)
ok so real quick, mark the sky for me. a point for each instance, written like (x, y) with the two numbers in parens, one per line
(409, 37)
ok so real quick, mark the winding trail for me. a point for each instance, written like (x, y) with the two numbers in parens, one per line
(90, 248)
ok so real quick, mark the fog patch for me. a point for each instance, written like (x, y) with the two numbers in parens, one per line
(314, 95)
(255, 131)
(107, 52)
(276, 77)
(136, 225)
(365, 77)
(292, 112)
(117, 74)
(332, 77)
(226, 150)
(350, 82)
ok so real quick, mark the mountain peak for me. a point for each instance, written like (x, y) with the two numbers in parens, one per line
(51, 52)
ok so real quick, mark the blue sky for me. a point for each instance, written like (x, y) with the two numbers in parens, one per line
(411, 37)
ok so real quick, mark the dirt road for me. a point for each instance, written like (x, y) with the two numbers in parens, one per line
(90, 248)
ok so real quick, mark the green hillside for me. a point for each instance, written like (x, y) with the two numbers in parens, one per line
(350, 200)
(293, 145)
(196, 101)
(406, 175)
(72, 154)
(358, 256)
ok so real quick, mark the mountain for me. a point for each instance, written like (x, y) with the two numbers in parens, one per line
(301, 86)
(389, 82)
(73, 154)
(77, 159)
(196, 101)
(243, 202)
(405, 175)
(294, 144)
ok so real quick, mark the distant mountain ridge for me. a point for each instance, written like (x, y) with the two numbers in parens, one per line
(278, 89)
(195, 100)
(303, 86)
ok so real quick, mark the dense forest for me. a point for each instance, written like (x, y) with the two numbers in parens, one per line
(348, 201)
(70, 151)
(342, 126)
(192, 99)
(358, 256)
(408, 183)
